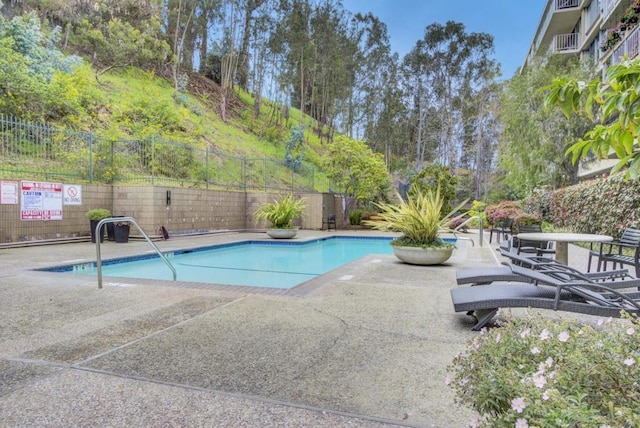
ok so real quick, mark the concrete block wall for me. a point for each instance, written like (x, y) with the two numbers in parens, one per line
(189, 210)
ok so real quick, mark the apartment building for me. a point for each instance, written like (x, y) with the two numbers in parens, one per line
(601, 32)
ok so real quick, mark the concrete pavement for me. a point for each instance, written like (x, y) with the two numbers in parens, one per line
(365, 346)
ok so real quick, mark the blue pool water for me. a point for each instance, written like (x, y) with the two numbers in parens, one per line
(275, 264)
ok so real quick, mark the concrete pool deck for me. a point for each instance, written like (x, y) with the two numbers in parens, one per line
(367, 345)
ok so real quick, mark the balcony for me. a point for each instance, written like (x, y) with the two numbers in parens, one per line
(560, 17)
(630, 46)
(567, 4)
(566, 43)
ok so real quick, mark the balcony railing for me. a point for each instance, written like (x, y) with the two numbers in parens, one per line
(566, 42)
(567, 4)
(630, 46)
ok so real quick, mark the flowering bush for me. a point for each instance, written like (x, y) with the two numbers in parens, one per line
(503, 210)
(549, 373)
(603, 206)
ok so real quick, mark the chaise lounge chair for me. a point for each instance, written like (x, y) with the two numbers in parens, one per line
(488, 275)
(585, 297)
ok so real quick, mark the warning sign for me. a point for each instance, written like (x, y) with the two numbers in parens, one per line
(9, 192)
(40, 200)
(72, 194)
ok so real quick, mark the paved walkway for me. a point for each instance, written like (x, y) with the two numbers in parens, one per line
(368, 346)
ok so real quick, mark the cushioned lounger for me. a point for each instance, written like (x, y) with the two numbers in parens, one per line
(486, 300)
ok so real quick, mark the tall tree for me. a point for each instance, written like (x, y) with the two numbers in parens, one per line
(250, 6)
(534, 140)
(440, 67)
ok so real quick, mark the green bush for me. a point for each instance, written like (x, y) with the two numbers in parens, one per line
(355, 217)
(540, 372)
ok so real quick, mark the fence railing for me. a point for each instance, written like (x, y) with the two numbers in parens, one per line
(39, 151)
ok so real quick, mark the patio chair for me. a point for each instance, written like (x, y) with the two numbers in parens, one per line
(619, 251)
(330, 221)
(503, 228)
(585, 298)
(538, 248)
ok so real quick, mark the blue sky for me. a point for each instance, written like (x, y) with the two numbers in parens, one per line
(511, 22)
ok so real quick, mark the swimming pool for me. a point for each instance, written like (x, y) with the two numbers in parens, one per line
(273, 264)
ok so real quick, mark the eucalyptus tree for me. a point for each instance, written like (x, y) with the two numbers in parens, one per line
(250, 7)
(534, 139)
(439, 69)
(291, 41)
(375, 105)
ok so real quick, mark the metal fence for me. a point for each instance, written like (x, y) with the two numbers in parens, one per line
(39, 151)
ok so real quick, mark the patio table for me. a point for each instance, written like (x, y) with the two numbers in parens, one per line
(562, 241)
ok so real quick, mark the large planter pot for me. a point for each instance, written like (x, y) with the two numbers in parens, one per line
(110, 229)
(423, 256)
(93, 224)
(121, 233)
(282, 233)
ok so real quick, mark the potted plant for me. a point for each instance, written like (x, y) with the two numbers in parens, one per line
(420, 221)
(94, 216)
(281, 214)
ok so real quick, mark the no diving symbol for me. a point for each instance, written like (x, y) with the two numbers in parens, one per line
(72, 195)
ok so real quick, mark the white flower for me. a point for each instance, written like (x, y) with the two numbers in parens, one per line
(539, 380)
(629, 362)
(518, 405)
(447, 381)
(525, 333)
(549, 362)
(475, 420)
(535, 350)
(563, 337)
(545, 395)
(630, 331)
(522, 423)
(498, 337)
(544, 334)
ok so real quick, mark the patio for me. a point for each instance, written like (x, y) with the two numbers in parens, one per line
(368, 346)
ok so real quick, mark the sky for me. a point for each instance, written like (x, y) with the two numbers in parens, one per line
(511, 22)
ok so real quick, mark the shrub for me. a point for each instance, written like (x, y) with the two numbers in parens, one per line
(603, 206)
(355, 217)
(502, 211)
(548, 373)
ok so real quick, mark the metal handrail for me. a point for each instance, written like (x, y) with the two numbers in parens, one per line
(475, 217)
(131, 220)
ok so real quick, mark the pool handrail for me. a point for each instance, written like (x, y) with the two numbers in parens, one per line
(142, 232)
(475, 217)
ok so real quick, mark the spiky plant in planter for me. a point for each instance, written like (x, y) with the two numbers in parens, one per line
(281, 214)
(420, 221)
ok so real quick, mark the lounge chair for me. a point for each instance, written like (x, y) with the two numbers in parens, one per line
(488, 275)
(585, 298)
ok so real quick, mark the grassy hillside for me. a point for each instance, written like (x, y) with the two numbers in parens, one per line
(136, 104)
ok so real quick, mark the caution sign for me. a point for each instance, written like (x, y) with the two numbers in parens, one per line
(40, 200)
(72, 194)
